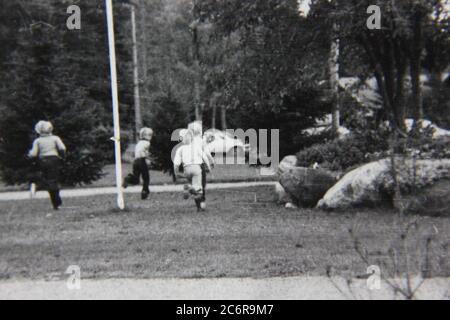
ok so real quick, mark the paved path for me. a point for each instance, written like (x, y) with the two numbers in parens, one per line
(90, 192)
(294, 288)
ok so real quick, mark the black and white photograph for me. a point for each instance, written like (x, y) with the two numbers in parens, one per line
(224, 150)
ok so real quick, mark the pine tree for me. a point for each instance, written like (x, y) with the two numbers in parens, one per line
(61, 76)
(168, 116)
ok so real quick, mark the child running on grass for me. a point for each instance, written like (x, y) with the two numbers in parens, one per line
(49, 150)
(190, 157)
(196, 128)
(140, 167)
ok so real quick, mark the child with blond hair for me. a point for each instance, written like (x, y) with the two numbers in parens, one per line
(197, 130)
(49, 150)
(188, 161)
(140, 166)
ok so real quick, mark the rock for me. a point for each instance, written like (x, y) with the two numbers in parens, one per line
(307, 186)
(431, 200)
(437, 131)
(286, 164)
(290, 205)
(282, 196)
(373, 183)
(342, 131)
(358, 187)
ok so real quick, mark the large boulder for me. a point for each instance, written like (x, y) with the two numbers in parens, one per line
(286, 164)
(306, 186)
(282, 196)
(358, 187)
(374, 184)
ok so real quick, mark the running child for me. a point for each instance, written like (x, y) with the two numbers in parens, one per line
(197, 130)
(190, 158)
(49, 150)
(140, 166)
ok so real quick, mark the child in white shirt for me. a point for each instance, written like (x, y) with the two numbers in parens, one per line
(191, 157)
(197, 130)
(140, 167)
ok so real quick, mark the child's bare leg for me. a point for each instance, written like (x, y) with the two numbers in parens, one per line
(187, 187)
(203, 200)
(197, 188)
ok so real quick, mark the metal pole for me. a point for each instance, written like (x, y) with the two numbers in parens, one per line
(115, 103)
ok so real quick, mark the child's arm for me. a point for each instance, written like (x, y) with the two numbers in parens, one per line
(61, 147)
(177, 161)
(206, 161)
(34, 152)
(211, 161)
(147, 154)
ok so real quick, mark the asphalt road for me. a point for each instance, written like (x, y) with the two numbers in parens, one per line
(293, 288)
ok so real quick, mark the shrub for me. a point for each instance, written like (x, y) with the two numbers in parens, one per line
(364, 146)
(342, 154)
(421, 144)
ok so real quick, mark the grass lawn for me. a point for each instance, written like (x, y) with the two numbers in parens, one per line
(236, 237)
(221, 173)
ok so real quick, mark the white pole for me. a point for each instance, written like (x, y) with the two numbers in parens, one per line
(115, 103)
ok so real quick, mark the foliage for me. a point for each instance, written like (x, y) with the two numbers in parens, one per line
(272, 47)
(367, 144)
(420, 144)
(51, 73)
(167, 117)
(167, 66)
(343, 154)
(296, 113)
(389, 53)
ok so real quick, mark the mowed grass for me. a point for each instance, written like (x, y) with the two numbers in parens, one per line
(243, 234)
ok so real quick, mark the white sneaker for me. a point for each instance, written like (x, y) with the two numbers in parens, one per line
(32, 190)
(203, 206)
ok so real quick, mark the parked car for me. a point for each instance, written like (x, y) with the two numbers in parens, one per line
(220, 142)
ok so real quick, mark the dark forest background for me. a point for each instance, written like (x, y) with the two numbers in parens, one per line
(233, 64)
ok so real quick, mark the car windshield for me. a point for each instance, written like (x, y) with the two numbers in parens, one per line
(217, 134)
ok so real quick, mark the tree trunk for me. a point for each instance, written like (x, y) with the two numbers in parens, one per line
(415, 66)
(137, 98)
(198, 114)
(334, 82)
(401, 63)
(196, 57)
(383, 70)
(213, 106)
(143, 49)
(213, 116)
(436, 93)
(223, 117)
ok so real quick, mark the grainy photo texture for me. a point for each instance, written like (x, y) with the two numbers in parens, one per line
(225, 149)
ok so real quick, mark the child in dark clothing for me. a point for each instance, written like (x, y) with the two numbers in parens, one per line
(140, 167)
(49, 150)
